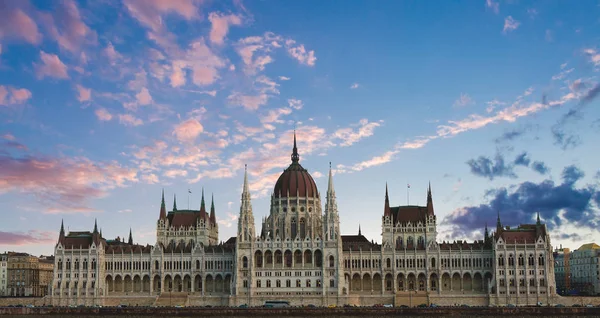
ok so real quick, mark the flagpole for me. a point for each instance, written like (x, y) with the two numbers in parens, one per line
(407, 195)
(189, 198)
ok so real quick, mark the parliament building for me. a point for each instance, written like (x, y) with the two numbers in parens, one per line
(299, 255)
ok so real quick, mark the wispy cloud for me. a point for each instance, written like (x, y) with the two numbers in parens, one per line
(510, 24)
(464, 100)
(51, 66)
(494, 6)
(32, 237)
(354, 86)
(10, 95)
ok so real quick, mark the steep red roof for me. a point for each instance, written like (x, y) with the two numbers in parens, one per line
(358, 242)
(409, 213)
(184, 218)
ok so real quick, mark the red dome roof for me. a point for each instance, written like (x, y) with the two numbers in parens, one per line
(295, 180)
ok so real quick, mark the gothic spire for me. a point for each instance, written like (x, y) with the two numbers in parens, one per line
(62, 230)
(386, 207)
(163, 208)
(213, 219)
(538, 219)
(498, 223)
(246, 189)
(295, 155)
(202, 206)
(429, 201)
(174, 202)
(130, 242)
(95, 226)
(359, 230)
(330, 188)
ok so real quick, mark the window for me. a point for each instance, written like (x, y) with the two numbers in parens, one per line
(278, 283)
(308, 283)
(268, 283)
(332, 261)
(388, 263)
(511, 260)
(258, 283)
(288, 283)
(298, 283)
(245, 284)
(501, 260)
(245, 262)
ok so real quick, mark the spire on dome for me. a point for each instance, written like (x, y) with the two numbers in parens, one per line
(386, 208)
(163, 208)
(130, 242)
(174, 202)
(295, 155)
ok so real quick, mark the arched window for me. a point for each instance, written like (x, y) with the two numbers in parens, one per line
(156, 265)
(93, 263)
(331, 234)
(68, 264)
(531, 261)
(198, 264)
(399, 243)
(245, 262)
(541, 260)
(302, 228)
(331, 261)
(294, 228)
(433, 262)
(421, 242)
(521, 260)
(60, 264)
(511, 260)
(409, 241)
(500, 260)
(388, 263)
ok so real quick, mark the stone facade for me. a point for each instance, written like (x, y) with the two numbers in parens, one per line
(577, 271)
(28, 275)
(4, 274)
(300, 255)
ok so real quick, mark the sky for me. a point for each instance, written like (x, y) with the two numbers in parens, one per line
(103, 104)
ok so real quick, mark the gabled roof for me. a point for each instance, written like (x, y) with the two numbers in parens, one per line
(589, 246)
(358, 242)
(409, 213)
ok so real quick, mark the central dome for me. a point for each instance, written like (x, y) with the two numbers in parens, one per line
(295, 181)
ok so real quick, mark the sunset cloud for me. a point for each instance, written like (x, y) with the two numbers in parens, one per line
(188, 130)
(103, 114)
(220, 26)
(510, 24)
(84, 94)
(51, 66)
(33, 237)
(129, 120)
(16, 24)
(13, 96)
(349, 136)
(62, 185)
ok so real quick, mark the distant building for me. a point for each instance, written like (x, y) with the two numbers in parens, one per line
(29, 275)
(300, 255)
(578, 272)
(3, 274)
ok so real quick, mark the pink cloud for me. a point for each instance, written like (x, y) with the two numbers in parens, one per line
(201, 60)
(13, 96)
(85, 94)
(144, 97)
(112, 53)
(178, 76)
(14, 23)
(510, 24)
(103, 114)
(65, 25)
(32, 237)
(51, 66)
(129, 120)
(173, 173)
(149, 12)
(249, 102)
(220, 26)
(301, 54)
(8, 137)
(62, 184)
(188, 130)
(349, 136)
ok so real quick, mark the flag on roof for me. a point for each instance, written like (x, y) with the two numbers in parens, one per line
(189, 191)
(409, 185)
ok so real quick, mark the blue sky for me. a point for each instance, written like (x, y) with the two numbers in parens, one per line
(104, 104)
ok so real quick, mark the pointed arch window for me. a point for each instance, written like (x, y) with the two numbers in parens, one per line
(294, 228)
(302, 228)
